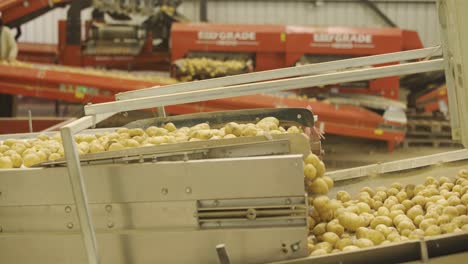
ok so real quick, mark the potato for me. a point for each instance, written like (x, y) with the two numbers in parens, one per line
(312, 159)
(116, 146)
(418, 219)
(233, 128)
(399, 218)
(350, 248)
(450, 210)
(401, 196)
(344, 242)
(329, 181)
(463, 173)
(344, 196)
(416, 234)
(461, 209)
(368, 190)
(267, 126)
(269, 119)
(394, 237)
(95, 147)
(318, 186)
(432, 230)
(407, 204)
(31, 159)
(392, 191)
(351, 221)
(415, 211)
(426, 223)
(419, 199)
(363, 207)
(444, 219)
(406, 225)
(294, 129)
(324, 245)
(448, 228)
(363, 243)
(330, 237)
(375, 236)
(310, 248)
(320, 229)
(383, 211)
(6, 162)
(319, 252)
(54, 156)
(460, 221)
(335, 228)
(170, 127)
(395, 213)
(320, 202)
(397, 186)
(249, 131)
(384, 220)
(310, 172)
(453, 200)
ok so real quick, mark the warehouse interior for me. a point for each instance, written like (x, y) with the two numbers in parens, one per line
(263, 131)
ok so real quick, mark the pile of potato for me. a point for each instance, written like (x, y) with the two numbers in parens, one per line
(205, 68)
(388, 214)
(16, 153)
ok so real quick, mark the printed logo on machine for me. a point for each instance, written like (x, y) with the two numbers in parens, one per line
(227, 38)
(342, 41)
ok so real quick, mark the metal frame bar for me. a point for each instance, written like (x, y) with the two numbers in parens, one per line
(264, 87)
(282, 73)
(399, 165)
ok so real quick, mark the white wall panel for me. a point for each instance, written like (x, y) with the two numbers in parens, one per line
(409, 15)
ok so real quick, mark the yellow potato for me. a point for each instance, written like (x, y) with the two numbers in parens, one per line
(31, 159)
(335, 228)
(310, 172)
(324, 245)
(95, 147)
(233, 128)
(350, 248)
(363, 243)
(116, 146)
(368, 190)
(344, 242)
(293, 129)
(320, 202)
(6, 163)
(432, 230)
(319, 252)
(414, 211)
(54, 156)
(329, 181)
(427, 222)
(270, 119)
(344, 196)
(330, 237)
(318, 186)
(320, 229)
(384, 220)
(350, 221)
(170, 127)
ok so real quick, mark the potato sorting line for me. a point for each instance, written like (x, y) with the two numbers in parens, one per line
(245, 186)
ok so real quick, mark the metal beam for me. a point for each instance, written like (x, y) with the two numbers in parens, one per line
(264, 87)
(281, 73)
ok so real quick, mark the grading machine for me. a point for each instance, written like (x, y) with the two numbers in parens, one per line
(238, 200)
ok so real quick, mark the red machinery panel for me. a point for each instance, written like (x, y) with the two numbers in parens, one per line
(266, 42)
(344, 42)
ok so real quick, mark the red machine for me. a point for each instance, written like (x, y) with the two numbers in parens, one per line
(306, 45)
(264, 44)
(272, 47)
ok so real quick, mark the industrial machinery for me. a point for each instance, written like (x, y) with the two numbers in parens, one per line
(243, 201)
(271, 47)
